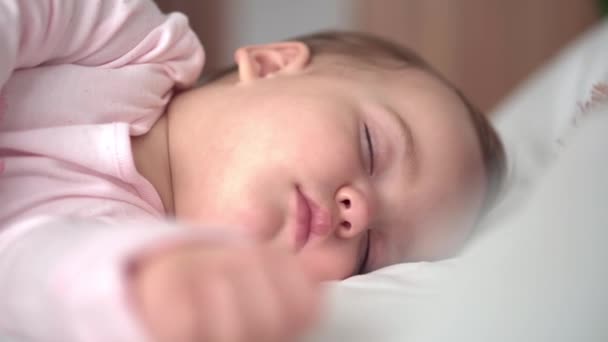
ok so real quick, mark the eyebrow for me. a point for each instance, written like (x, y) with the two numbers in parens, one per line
(411, 150)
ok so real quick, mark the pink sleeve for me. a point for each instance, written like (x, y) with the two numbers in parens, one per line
(64, 280)
(100, 33)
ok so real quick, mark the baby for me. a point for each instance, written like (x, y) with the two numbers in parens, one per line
(313, 159)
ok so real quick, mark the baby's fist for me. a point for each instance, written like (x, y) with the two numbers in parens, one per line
(224, 293)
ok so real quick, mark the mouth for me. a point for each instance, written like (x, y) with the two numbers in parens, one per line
(303, 219)
(311, 219)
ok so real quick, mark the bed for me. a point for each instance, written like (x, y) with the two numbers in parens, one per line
(538, 270)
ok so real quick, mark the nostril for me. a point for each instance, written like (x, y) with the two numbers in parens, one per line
(346, 203)
(346, 224)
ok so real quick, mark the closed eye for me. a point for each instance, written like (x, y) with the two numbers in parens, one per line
(370, 147)
(363, 264)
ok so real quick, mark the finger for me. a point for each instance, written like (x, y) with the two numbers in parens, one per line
(161, 298)
(263, 317)
(217, 309)
(246, 299)
(236, 303)
(299, 296)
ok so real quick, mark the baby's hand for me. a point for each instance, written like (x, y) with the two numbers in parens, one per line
(224, 293)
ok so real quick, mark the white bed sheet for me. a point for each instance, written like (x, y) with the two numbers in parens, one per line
(542, 275)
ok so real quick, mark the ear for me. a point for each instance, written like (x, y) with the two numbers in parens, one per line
(268, 60)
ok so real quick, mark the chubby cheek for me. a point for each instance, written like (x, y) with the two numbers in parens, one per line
(249, 212)
(260, 223)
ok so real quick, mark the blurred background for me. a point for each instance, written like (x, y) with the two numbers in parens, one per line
(486, 47)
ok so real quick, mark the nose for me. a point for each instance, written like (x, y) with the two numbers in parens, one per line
(353, 212)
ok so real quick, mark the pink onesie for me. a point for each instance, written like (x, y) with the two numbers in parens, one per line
(77, 79)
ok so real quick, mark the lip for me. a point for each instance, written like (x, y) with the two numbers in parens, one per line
(311, 219)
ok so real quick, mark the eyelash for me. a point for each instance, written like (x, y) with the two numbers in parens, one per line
(370, 147)
(366, 256)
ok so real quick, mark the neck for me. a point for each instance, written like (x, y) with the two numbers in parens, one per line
(151, 156)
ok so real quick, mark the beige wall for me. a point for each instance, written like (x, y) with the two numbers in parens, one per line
(484, 46)
(224, 25)
(208, 19)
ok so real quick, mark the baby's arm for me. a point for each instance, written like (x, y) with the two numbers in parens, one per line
(65, 280)
(106, 33)
(218, 292)
(97, 61)
(76, 281)
(62, 280)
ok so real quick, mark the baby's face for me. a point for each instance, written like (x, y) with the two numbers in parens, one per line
(382, 167)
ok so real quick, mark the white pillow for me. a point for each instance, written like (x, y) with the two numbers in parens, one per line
(541, 276)
(534, 123)
(536, 120)
(381, 306)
